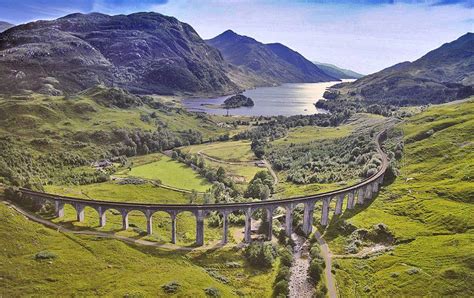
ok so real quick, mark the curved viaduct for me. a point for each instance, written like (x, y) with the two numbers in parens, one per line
(355, 194)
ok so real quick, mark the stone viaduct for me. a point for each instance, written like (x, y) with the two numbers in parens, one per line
(355, 194)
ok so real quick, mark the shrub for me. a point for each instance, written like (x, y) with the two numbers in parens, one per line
(315, 251)
(45, 255)
(286, 257)
(281, 288)
(171, 287)
(282, 239)
(212, 292)
(283, 274)
(315, 270)
(261, 254)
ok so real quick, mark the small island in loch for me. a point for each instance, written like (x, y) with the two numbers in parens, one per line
(237, 101)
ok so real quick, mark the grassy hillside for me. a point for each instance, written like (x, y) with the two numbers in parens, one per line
(428, 209)
(91, 266)
(59, 134)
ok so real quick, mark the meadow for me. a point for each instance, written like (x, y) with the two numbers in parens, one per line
(227, 151)
(168, 171)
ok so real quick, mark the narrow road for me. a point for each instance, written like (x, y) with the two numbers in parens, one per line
(326, 254)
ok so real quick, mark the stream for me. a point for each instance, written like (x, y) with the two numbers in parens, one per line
(300, 285)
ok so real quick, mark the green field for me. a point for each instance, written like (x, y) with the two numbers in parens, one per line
(227, 151)
(91, 266)
(428, 208)
(170, 173)
(241, 173)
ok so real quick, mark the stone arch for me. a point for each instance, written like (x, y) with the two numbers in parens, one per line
(90, 216)
(69, 214)
(297, 215)
(112, 219)
(137, 222)
(186, 227)
(260, 224)
(162, 225)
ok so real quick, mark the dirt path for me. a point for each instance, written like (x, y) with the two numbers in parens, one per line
(326, 254)
(299, 284)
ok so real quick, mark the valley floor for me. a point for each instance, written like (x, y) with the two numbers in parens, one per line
(428, 209)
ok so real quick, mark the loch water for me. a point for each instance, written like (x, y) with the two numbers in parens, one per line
(285, 100)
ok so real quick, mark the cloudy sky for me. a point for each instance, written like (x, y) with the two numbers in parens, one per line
(363, 35)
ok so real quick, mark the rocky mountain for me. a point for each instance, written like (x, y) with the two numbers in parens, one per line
(444, 74)
(140, 52)
(274, 62)
(338, 72)
(5, 25)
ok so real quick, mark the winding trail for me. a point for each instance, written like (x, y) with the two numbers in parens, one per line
(326, 254)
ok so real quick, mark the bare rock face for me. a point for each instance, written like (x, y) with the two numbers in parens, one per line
(141, 52)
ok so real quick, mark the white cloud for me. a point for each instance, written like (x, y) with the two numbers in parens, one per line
(364, 38)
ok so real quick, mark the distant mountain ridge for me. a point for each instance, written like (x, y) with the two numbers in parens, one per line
(443, 74)
(274, 62)
(5, 25)
(140, 52)
(338, 72)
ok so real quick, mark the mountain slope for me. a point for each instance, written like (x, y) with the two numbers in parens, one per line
(5, 25)
(140, 52)
(428, 209)
(338, 72)
(444, 74)
(274, 62)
